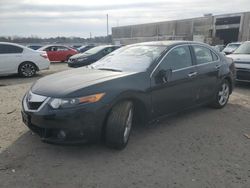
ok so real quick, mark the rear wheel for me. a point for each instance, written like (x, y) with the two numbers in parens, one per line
(119, 125)
(27, 69)
(222, 95)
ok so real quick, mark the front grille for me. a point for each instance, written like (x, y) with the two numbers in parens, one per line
(242, 62)
(243, 74)
(34, 105)
(34, 101)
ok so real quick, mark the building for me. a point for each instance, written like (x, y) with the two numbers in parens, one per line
(217, 29)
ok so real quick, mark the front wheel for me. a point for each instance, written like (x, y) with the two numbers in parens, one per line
(119, 125)
(222, 95)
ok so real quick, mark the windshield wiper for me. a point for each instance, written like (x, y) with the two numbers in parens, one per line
(110, 69)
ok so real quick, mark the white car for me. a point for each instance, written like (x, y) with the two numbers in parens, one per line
(231, 47)
(15, 58)
(241, 58)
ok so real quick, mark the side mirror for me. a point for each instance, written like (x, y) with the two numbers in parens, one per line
(163, 76)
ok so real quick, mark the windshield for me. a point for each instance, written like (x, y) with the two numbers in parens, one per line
(130, 58)
(232, 46)
(243, 49)
(95, 50)
(82, 47)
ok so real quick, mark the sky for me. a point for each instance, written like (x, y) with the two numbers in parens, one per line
(51, 18)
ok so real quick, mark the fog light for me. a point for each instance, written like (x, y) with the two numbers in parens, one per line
(61, 135)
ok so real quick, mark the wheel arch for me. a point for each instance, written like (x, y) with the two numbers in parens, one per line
(230, 81)
(141, 111)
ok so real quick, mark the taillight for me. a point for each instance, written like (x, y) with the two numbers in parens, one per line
(44, 56)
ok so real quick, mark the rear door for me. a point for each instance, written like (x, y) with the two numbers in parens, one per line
(62, 53)
(177, 92)
(208, 66)
(51, 52)
(10, 58)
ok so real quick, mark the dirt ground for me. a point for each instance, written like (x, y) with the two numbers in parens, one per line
(200, 148)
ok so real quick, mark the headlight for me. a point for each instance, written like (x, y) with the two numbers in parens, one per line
(67, 103)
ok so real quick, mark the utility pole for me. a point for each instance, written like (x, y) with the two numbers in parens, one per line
(107, 25)
(248, 36)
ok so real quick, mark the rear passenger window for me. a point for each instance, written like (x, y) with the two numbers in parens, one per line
(62, 48)
(9, 49)
(202, 54)
(177, 58)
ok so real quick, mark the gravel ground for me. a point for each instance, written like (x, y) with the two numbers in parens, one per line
(200, 148)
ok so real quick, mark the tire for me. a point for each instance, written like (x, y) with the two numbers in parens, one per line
(119, 124)
(27, 69)
(222, 95)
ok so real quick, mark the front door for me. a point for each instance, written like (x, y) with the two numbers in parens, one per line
(176, 91)
(10, 58)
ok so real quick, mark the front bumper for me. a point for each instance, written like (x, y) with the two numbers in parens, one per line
(73, 125)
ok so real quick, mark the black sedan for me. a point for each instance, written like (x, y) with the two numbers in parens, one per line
(83, 49)
(90, 56)
(140, 82)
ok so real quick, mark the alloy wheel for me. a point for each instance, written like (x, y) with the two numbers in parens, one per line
(128, 125)
(28, 70)
(223, 94)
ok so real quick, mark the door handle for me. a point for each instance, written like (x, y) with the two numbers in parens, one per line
(217, 67)
(192, 74)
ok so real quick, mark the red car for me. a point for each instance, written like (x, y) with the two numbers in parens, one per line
(58, 53)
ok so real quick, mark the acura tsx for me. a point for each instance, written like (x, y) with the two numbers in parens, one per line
(139, 82)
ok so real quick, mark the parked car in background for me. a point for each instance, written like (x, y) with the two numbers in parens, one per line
(83, 49)
(231, 47)
(34, 47)
(219, 48)
(91, 56)
(76, 46)
(15, 58)
(241, 58)
(143, 81)
(58, 53)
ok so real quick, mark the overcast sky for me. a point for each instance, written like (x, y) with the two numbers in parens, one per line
(45, 18)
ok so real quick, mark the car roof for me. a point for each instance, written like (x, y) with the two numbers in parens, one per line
(105, 46)
(50, 45)
(235, 43)
(170, 43)
(14, 44)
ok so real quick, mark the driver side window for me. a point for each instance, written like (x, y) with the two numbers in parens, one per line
(177, 58)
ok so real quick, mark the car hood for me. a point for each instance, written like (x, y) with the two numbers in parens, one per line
(229, 49)
(67, 82)
(81, 55)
